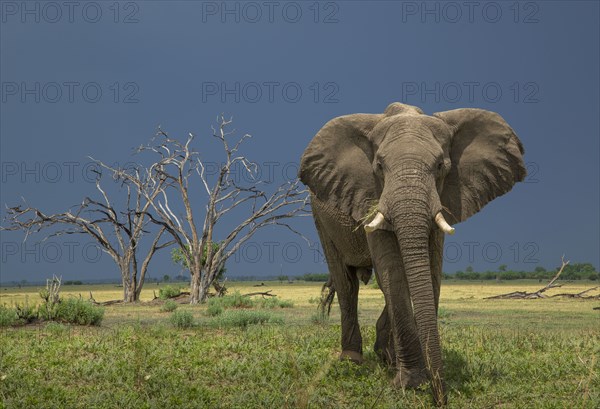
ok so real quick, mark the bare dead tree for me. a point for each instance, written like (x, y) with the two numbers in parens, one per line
(180, 168)
(118, 233)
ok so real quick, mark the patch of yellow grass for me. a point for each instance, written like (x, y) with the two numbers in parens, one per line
(463, 302)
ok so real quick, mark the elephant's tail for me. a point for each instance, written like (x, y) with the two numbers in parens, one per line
(327, 296)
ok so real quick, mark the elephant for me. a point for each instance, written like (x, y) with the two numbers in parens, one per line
(385, 189)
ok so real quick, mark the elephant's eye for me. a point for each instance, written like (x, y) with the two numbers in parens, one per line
(440, 166)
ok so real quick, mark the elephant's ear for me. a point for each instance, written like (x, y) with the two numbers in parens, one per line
(337, 164)
(487, 160)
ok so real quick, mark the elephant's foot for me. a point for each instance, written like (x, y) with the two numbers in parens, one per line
(352, 356)
(410, 378)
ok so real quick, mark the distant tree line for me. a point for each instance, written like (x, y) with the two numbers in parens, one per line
(575, 271)
(314, 277)
(73, 282)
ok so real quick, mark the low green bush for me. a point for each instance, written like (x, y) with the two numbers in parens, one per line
(182, 319)
(76, 311)
(275, 302)
(169, 306)
(243, 318)
(47, 311)
(235, 300)
(214, 309)
(26, 313)
(168, 292)
(8, 316)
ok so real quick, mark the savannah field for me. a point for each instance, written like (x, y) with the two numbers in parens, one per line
(498, 353)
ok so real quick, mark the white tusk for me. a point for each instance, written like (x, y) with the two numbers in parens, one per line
(443, 224)
(378, 223)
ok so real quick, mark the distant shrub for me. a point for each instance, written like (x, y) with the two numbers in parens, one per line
(73, 311)
(182, 319)
(168, 292)
(375, 285)
(25, 313)
(235, 300)
(169, 306)
(47, 311)
(243, 318)
(8, 316)
(275, 302)
(214, 310)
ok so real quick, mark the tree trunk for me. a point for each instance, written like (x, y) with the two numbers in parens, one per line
(195, 284)
(203, 291)
(130, 293)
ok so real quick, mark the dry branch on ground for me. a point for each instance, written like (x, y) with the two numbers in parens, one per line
(262, 293)
(540, 293)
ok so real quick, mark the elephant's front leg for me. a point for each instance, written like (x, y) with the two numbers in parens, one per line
(399, 323)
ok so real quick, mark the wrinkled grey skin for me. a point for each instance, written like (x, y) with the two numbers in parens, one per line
(411, 166)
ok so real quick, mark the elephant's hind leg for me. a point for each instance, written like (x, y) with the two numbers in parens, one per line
(346, 286)
(345, 282)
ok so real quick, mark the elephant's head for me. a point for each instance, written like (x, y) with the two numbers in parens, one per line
(423, 173)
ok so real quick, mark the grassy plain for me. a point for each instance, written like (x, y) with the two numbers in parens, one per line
(498, 354)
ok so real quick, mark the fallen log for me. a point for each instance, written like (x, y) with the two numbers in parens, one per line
(580, 295)
(263, 294)
(104, 303)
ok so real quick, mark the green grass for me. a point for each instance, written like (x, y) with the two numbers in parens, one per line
(497, 353)
(182, 319)
(243, 318)
(8, 316)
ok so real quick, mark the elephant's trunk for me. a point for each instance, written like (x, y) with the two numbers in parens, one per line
(412, 219)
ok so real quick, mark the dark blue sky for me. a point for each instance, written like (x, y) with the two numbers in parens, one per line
(93, 79)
